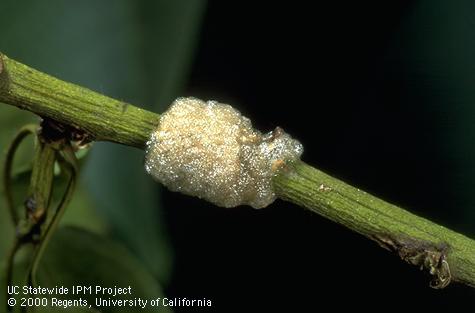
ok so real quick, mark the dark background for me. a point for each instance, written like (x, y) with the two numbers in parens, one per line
(342, 78)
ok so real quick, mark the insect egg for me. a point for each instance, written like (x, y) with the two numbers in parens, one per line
(209, 150)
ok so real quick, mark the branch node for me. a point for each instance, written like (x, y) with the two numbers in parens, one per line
(52, 131)
(424, 254)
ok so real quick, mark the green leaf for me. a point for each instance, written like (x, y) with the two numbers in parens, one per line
(138, 51)
(170, 31)
(11, 119)
(76, 257)
(81, 212)
(127, 198)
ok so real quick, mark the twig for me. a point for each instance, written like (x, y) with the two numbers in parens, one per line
(69, 165)
(447, 255)
(103, 118)
(22, 133)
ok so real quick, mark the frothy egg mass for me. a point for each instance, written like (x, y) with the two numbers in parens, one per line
(209, 150)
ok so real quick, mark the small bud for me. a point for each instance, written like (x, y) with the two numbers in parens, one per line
(209, 150)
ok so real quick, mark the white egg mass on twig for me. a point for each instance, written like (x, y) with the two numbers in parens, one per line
(209, 150)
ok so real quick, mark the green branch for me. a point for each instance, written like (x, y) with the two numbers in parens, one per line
(101, 117)
(447, 255)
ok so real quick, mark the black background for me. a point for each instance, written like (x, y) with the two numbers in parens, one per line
(330, 74)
